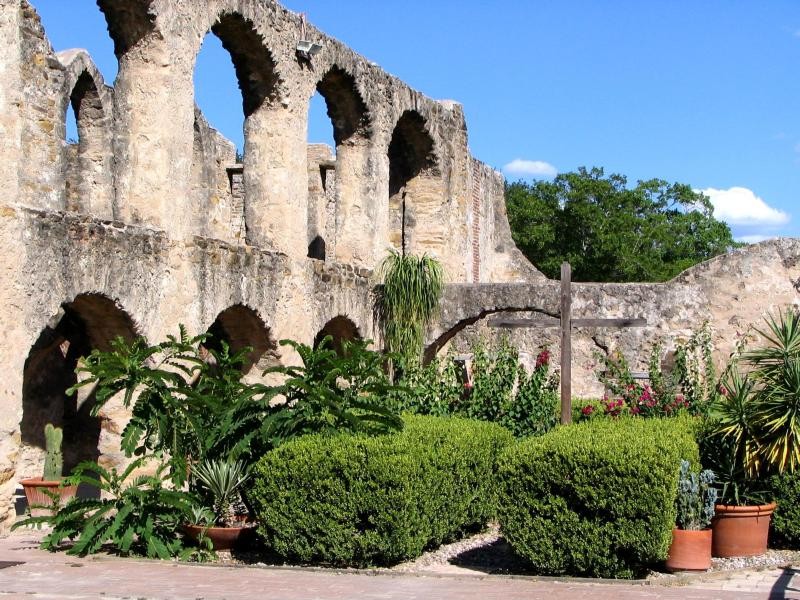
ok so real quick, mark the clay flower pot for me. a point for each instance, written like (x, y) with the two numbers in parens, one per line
(740, 530)
(39, 502)
(222, 538)
(690, 550)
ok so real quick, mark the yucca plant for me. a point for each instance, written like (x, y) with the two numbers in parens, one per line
(407, 301)
(775, 412)
(219, 481)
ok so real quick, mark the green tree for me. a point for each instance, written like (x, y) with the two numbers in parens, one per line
(609, 231)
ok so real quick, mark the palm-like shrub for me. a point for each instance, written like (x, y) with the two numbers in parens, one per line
(775, 413)
(757, 415)
(407, 302)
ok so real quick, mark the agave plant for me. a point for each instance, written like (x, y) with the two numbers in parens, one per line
(221, 480)
(407, 302)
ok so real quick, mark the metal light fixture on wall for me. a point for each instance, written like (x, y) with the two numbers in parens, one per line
(306, 49)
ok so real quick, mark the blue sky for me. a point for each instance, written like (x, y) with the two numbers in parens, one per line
(705, 93)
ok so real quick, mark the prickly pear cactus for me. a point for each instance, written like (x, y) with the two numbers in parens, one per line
(54, 459)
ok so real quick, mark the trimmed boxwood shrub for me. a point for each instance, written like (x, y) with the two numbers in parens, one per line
(353, 500)
(785, 490)
(595, 499)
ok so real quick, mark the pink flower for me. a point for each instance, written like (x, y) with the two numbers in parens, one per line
(587, 410)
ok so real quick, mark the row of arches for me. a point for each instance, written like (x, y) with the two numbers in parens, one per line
(91, 321)
(346, 187)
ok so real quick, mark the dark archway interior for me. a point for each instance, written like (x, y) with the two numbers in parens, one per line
(346, 108)
(129, 21)
(340, 329)
(255, 68)
(240, 326)
(410, 151)
(90, 321)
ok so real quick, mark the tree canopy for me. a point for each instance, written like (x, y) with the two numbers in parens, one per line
(609, 231)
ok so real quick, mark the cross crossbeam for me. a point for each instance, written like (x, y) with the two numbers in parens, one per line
(566, 323)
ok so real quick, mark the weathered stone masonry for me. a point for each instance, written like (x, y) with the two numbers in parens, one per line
(147, 220)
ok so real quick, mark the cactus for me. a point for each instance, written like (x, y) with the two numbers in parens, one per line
(54, 459)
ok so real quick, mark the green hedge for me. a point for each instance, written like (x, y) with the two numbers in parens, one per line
(785, 490)
(353, 500)
(595, 499)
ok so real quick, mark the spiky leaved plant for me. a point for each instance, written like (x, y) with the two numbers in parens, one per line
(221, 480)
(54, 459)
(407, 302)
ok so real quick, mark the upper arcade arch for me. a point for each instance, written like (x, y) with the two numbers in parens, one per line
(87, 165)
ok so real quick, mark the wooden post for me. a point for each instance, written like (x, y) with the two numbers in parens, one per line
(566, 344)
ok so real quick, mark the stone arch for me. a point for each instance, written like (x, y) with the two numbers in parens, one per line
(129, 22)
(259, 83)
(341, 329)
(87, 164)
(414, 183)
(240, 326)
(90, 321)
(339, 180)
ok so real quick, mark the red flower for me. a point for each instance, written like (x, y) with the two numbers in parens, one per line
(587, 410)
(543, 358)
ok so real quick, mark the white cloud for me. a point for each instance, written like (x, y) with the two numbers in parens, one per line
(740, 206)
(540, 168)
(754, 239)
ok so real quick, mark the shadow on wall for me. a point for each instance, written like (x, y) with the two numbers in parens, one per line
(90, 321)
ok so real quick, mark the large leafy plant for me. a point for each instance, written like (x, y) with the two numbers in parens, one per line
(186, 401)
(136, 514)
(330, 392)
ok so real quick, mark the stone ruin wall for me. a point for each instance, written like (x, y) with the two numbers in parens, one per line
(730, 292)
(149, 221)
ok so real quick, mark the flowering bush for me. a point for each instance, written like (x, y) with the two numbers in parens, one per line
(500, 390)
(689, 387)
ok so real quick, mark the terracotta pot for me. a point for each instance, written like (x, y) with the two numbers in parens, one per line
(35, 492)
(690, 550)
(740, 530)
(222, 538)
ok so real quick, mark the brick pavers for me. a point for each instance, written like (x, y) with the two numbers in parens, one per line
(56, 575)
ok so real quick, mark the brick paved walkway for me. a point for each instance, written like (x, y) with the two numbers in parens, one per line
(46, 575)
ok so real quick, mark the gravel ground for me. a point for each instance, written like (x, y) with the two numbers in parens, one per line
(488, 552)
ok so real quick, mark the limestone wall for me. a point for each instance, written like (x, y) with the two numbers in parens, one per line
(150, 221)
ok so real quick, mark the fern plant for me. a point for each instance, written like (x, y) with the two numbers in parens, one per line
(406, 302)
(136, 514)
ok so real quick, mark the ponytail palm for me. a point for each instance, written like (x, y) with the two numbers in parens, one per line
(407, 302)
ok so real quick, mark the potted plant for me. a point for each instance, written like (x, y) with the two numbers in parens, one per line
(47, 493)
(217, 482)
(691, 539)
(757, 433)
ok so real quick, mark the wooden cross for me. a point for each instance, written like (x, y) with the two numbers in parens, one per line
(566, 323)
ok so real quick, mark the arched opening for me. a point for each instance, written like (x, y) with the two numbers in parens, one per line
(338, 128)
(341, 329)
(87, 148)
(239, 326)
(90, 321)
(413, 180)
(221, 164)
(129, 22)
